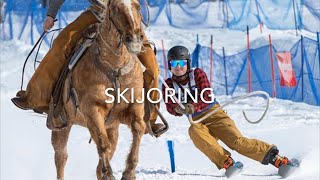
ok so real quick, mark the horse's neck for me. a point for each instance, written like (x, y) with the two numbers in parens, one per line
(108, 42)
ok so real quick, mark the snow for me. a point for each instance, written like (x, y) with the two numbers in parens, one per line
(26, 151)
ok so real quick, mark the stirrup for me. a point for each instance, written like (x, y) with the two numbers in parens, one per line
(160, 131)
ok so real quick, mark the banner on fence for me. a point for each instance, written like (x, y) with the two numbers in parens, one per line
(287, 76)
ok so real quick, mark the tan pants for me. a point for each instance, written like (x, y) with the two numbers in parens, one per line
(222, 127)
(41, 85)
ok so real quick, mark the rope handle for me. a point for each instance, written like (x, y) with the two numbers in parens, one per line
(226, 104)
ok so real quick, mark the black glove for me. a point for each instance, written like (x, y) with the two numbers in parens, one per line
(189, 109)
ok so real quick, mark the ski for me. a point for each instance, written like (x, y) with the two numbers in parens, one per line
(288, 169)
(234, 170)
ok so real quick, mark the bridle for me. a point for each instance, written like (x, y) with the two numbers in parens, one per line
(109, 17)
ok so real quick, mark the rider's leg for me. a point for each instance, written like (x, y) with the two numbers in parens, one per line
(225, 129)
(40, 87)
(150, 76)
(207, 143)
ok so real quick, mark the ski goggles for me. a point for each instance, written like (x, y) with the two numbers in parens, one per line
(181, 62)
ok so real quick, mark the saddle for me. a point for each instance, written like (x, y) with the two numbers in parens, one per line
(57, 116)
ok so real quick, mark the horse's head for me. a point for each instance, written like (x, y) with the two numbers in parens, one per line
(126, 17)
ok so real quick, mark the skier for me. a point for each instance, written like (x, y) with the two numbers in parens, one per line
(217, 126)
(40, 87)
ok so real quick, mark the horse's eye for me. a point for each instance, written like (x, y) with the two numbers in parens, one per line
(115, 10)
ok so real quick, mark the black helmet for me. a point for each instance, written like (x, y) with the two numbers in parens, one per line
(178, 52)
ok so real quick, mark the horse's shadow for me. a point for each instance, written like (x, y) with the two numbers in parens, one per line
(198, 174)
(159, 171)
(163, 172)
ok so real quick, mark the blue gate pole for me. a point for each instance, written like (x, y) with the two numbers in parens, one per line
(225, 71)
(302, 63)
(171, 154)
(318, 38)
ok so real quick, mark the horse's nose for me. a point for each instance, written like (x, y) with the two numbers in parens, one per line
(133, 37)
(129, 38)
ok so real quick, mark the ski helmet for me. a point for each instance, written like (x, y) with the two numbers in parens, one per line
(178, 52)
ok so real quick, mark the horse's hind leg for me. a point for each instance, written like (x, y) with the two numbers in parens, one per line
(59, 141)
(137, 129)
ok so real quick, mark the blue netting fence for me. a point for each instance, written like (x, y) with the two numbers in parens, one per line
(18, 15)
(229, 74)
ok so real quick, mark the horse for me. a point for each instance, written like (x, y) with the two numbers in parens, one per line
(110, 62)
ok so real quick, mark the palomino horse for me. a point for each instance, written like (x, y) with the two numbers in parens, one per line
(110, 62)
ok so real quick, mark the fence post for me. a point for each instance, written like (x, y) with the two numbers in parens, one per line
(318, 39)
(211, 59)
(164, 61)
(248, 59)
(9, 11)
(295, 16)
(31, 22)
(259, 19)
(302, 64)
(197, 38)
(225, 2)
(272, 68)
(225, 71)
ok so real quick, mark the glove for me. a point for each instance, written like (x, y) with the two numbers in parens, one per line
(189, 109)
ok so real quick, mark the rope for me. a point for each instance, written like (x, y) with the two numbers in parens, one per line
(224, 105)
(33, 48)
(25, 62)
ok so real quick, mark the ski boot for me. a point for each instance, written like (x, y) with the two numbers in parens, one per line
(286, 167)
(232, 168)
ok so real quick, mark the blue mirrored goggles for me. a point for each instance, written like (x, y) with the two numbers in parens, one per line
(181, 62)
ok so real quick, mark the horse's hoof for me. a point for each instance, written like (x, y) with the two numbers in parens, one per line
(109, 178)
(21, 103)
(128, 177)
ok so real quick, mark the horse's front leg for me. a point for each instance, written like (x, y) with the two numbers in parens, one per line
(137, 128)
(113, 134)
(98, 133)
(59, 141)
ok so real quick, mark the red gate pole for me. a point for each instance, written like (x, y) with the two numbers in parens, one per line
(272, 68)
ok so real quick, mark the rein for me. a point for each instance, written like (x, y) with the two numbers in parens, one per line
(119, 33)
